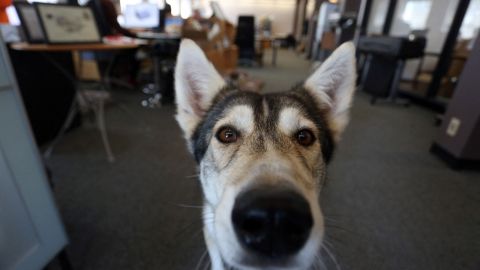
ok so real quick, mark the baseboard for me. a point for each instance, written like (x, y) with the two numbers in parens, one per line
(452, 161)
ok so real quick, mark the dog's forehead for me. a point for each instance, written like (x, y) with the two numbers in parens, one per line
(266, 113)
(241, 116)
(292, 119)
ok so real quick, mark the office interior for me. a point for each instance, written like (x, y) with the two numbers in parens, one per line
(95, 172)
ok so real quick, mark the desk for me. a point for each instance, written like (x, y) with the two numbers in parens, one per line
(72, 47)
(98, 107)
(95, 47)
(269, 42)
(158, 36)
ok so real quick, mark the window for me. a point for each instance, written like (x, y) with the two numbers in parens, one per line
(124, 3)
(470, 24)
(416, 13)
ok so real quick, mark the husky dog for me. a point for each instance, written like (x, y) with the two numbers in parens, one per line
(262, 159)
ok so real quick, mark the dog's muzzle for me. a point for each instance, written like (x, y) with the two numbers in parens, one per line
(272, 222)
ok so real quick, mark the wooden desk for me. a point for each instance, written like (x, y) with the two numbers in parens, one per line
(73, 47)
(269, 42)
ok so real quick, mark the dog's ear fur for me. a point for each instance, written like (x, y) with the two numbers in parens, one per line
(196, 84)
(333, 84)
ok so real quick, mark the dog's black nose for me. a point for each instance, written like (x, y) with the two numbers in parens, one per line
(272, 222)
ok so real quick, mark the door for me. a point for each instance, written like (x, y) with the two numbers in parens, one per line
(31, 233)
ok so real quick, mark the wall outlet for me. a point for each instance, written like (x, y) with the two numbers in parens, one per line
(453, 127)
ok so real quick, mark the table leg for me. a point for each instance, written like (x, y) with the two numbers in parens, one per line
(68, 121)
(396, 80)
(73, 107)
(274, 52)
(103, 130)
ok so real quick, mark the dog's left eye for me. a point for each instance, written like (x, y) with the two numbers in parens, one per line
(305, 137)
(227, 135)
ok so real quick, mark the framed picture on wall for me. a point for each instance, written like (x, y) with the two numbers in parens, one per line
(30, 22)
(68, 23)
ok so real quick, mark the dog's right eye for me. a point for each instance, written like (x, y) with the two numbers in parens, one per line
(227, 135)
(305, 137)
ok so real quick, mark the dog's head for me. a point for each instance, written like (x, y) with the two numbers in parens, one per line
(263, 158)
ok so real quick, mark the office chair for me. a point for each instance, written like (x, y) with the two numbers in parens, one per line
(245, 39)
(162, 90)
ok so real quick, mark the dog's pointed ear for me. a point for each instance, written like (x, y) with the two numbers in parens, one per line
(196, 84)
(333, 85)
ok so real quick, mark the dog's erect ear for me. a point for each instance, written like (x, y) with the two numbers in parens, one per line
(333, 84)
(196, 84)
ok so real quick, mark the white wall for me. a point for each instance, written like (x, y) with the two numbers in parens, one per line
(377, 16)
(281, 11)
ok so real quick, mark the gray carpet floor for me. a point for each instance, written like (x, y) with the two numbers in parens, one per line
(389, 203)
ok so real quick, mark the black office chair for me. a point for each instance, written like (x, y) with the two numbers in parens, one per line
(245, 39)
(161, 91)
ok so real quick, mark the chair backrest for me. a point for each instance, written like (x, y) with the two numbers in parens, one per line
(103, 26)
(245, 36)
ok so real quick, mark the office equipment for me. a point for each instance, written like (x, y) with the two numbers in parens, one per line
(396, 47)
(245, 38)
(68, 23)
(157, 36)
(173, 25)
(385, 60)
(142, 15)
(30, 22)
(31, 232)
(458, 139)
(104, 27)
(164, 52)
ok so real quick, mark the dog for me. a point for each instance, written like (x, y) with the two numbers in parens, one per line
(262, 158)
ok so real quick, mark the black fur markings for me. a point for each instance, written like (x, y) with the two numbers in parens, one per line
(264, 126)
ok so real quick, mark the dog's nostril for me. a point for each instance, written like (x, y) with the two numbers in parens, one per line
(255, 222)
(272, 222)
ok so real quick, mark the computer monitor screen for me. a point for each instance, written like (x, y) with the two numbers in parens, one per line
(142, 15)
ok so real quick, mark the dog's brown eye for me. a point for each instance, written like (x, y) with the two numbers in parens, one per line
(227, 135)
(305, 137)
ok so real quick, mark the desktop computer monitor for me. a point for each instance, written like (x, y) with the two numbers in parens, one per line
(142, 15)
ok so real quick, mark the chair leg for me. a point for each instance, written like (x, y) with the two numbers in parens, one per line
(103, 131)
(68, 122)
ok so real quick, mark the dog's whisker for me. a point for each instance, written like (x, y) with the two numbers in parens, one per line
(208, 265)
(193, 176)
(338, 228)
(202, 258)
(189, 206)
(335, 239)
(318, 263)
(330, 219)
(186, 229)
(197, 233)
(315, 263)
(330, 254)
